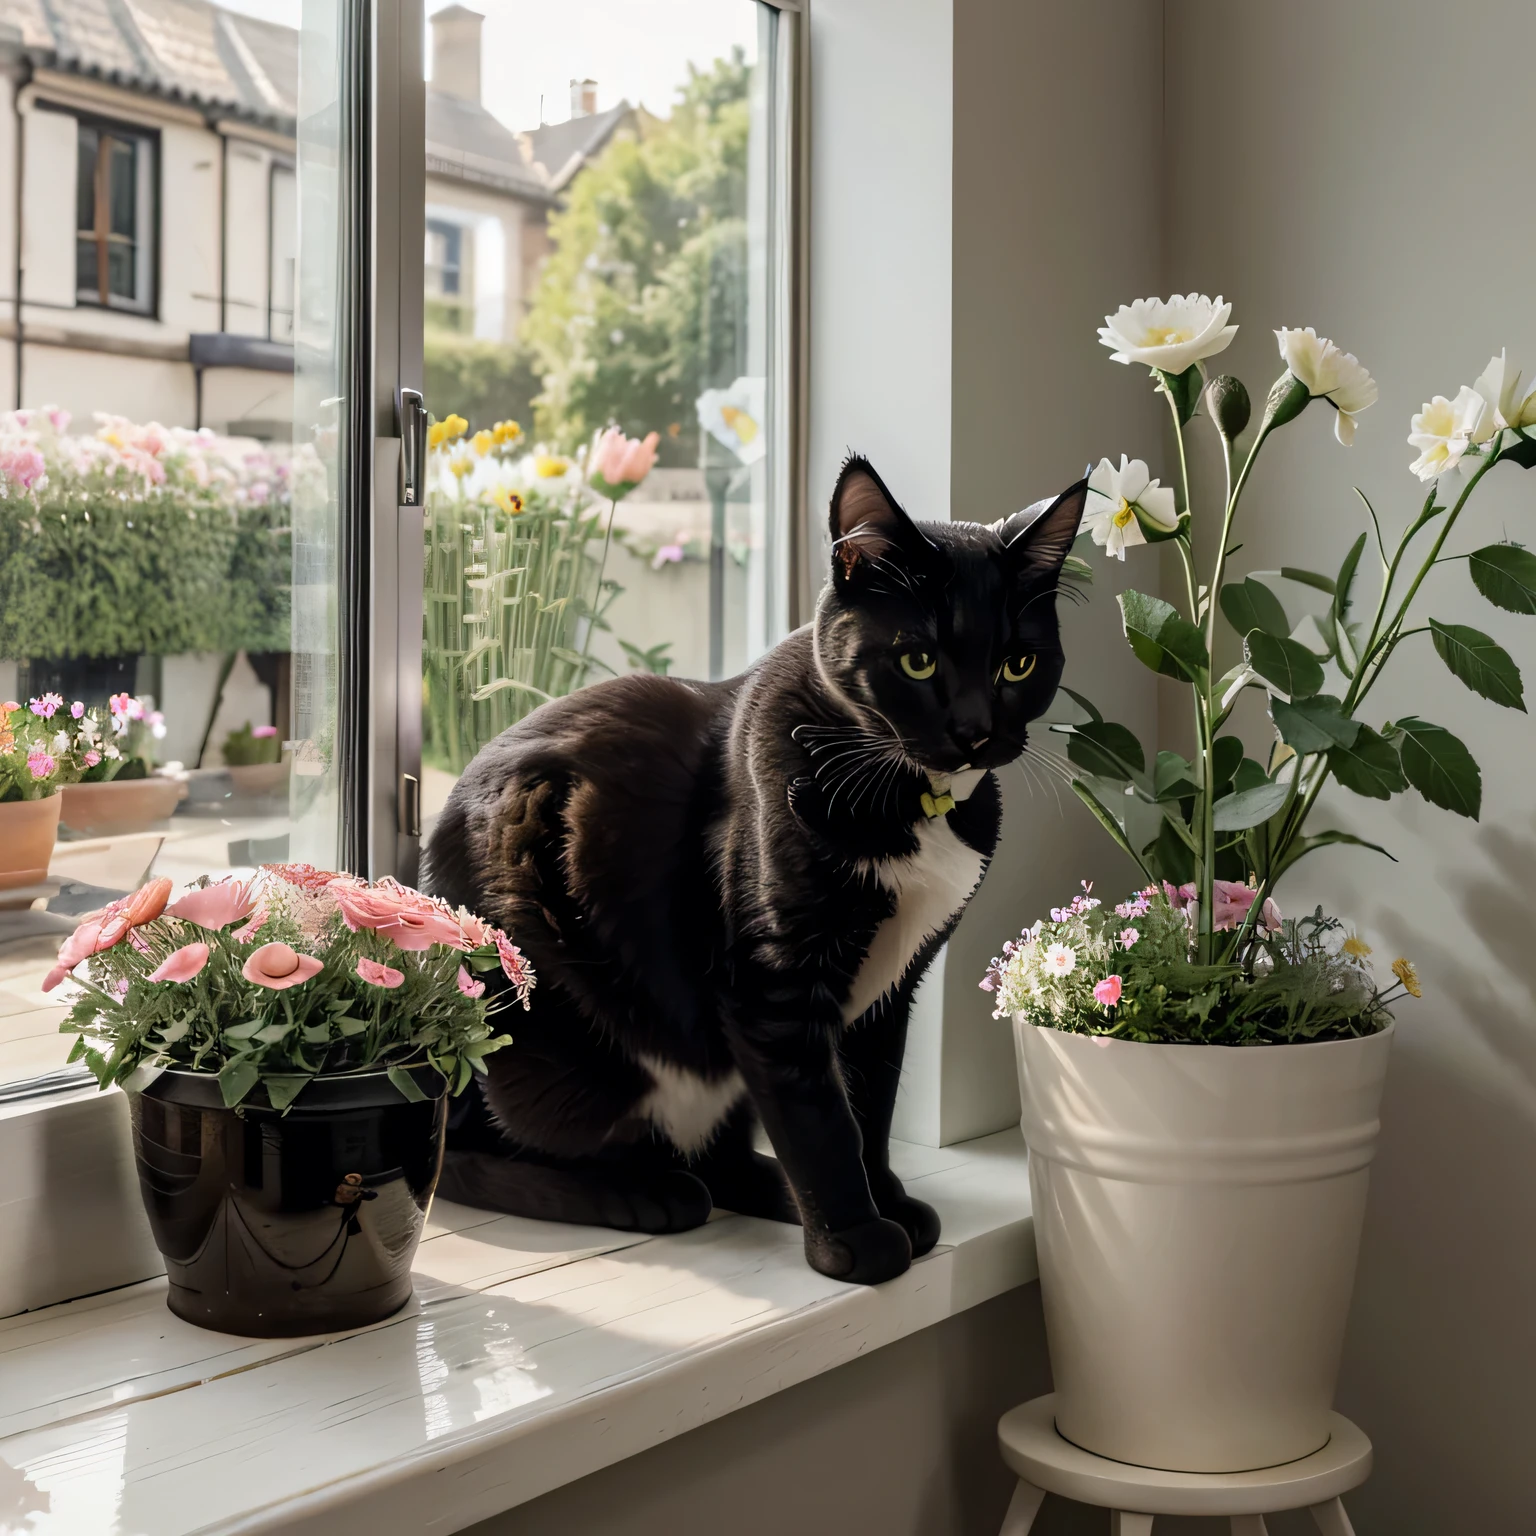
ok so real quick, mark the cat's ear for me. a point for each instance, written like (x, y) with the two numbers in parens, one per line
(867, 524)
(1038, 539)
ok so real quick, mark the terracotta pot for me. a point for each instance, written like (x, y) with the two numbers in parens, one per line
(119, 805)
(274, 1225)
(1197, 1214)
(28, 829)
(258, 779)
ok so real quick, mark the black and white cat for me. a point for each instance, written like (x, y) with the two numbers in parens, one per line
(730, 890)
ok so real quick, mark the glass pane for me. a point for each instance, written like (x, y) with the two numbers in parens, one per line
(167, 539)
(87, 273)
(624, 247)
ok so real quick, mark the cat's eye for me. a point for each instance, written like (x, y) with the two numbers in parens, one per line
(1017, 668)
(918, 664)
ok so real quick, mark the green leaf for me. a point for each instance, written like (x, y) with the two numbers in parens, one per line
(1162, 640)
(1184, 390)
(77, 1050)
(236, 1079)
(271, 1034)
(316, 1034)
(1249, 775)
(1369, 765)
(1485, 667)
(1105, 819)
(1169, 856)
(1305, 845)
(1313, 725)
(1227, 753)
(350, 1026)
(178, 1030)
(1075, 568)
(1343, 600)
(1308, 578)
(283, 1088)
(406, 1084)
(1173, 777)
(1439, 766)
(242, 1031)
(1506, 575)
(1521, 451)
(1086, 705)
(1289, 666)
(1249, 807)
(1101, 747)
(1250, 605)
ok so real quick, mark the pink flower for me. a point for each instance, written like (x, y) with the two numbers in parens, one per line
(377, 975)
(218, 905)
(9, 707)
(469, 986)
(25, 465)
(517, 969)
(76, 710)
(278, 966)
(406, 917)
(103, 930)
(47, 706)
(181, 964)
(1107, 992)
(668, 554)
(305, 876)
(58, 418)
(477, 932)
(623, 462)
(40, 764)
(119, 703)
(91, 758)
(264, 732)
(1232, 902)
(1182, 897)
(1127, 937)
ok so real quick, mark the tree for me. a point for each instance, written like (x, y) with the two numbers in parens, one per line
(642, 305)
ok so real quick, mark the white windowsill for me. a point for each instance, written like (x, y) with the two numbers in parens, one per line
(532, 1354)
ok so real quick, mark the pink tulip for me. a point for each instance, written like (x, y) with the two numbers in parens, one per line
(264, 732)
(279, 966)
(469, 986)
(1107, 992)
(379, 975)
(624, 461)
(406, 917)
(218, 905)
(181, 964)
(100, 931)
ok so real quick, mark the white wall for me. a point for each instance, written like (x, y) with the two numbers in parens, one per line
(1364, 168)
(493, 233)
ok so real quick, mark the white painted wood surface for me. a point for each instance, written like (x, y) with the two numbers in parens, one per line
(532, 1355)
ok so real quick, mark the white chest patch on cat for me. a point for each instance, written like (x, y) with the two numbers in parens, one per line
(930, 888)
(687, 1108)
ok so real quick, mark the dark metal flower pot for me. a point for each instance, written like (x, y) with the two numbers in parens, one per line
(273, 1225)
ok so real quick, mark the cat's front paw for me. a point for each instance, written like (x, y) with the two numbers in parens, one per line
(863, 1255)
(917, 1219)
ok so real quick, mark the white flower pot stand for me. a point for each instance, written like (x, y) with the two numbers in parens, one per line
(1046, 1463)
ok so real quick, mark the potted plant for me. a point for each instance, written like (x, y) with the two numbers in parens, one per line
(253, 758)
(40, 753)
(288, 1044)
(119, 791)
(1201, 1077)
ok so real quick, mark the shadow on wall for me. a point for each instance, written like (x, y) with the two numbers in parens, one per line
(1449, 1241)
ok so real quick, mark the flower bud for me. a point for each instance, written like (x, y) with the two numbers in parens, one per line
(1228, 403)
(1288, 398)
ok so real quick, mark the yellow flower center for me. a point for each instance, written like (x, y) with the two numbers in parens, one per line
(739, 422)
(1356, 947)
(1122, 514)
(1167, 338)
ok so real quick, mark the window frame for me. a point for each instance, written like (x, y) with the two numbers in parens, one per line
(380, 618)
(147, 221)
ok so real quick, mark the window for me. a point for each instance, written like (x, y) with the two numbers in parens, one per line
(445, 257)
(115, 217)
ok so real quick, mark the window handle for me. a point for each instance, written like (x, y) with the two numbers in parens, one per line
(410, 805)
(412, 412)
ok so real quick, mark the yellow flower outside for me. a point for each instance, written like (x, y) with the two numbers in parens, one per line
(483, 441)
(1405, 973)
(549, 466)
(1356, 947)
(507, 432)
(509, 501)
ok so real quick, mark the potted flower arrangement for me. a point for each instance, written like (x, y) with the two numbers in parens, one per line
(253, 758)
(41, 751)
(118, 790)
(1201, 1076)
(288, 1044)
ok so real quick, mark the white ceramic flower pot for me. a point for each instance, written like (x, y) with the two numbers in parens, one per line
(1197, 1212)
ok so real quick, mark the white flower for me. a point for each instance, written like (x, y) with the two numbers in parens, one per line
(1329, 374)
(734, 417)
(1060, 959)
(1169, 334)
(1445, 429)
(1117, 497)
(1500, 387)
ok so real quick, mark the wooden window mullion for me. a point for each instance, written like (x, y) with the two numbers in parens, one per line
(103, 217)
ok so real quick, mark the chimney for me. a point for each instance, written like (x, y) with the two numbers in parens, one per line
(456, 52)
(583, 98)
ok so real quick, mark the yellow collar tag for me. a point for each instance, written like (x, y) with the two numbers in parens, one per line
(940, 802)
